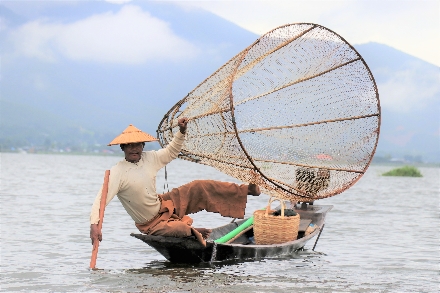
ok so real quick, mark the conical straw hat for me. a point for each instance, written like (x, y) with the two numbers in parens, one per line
(132, 134)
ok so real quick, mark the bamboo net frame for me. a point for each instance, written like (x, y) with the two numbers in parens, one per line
(297, 112)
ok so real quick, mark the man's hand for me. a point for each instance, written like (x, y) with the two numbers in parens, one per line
(95, 233)
(182, 122)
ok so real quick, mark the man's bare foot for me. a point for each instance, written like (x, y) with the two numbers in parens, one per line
(205, 232)
(253, 189)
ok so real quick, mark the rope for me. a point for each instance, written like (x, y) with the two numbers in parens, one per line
(165, 184)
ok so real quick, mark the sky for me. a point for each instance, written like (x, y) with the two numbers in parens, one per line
(128, 34)
(411, 26)
(107, 37)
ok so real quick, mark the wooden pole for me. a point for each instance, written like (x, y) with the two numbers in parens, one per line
(101, 217)
(313, 249)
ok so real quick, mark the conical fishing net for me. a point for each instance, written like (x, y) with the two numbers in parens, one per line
(297, 113)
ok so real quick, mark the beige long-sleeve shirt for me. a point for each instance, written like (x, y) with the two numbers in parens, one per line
(135, 183)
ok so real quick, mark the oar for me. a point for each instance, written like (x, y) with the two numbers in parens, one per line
(101, 218)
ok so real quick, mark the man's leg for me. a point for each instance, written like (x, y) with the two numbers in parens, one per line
(228, 199)
(172, 229)
(180, 228)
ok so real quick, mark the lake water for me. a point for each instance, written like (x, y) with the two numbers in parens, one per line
(381, 236)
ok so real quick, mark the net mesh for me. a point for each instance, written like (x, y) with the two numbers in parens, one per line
(297, 113)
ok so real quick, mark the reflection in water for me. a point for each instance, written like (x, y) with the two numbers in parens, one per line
(214, 252)
(179, 272)
(229, 276)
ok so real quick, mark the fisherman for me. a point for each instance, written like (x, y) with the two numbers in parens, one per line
(133, 180)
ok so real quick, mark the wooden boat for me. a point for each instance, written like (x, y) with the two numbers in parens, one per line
(189, 250)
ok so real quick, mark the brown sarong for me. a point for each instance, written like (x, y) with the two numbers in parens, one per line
(227, 199)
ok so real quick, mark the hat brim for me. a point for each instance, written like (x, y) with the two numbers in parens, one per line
(132, 135)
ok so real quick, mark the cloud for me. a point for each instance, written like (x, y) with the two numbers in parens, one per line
(263, 16)
(130, 36)
(401, 139)
(409, 26)
(411, 89)
(118, 1)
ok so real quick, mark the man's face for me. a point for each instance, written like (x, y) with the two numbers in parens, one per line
(133, 152)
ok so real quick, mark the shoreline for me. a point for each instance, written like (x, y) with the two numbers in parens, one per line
(120, 154)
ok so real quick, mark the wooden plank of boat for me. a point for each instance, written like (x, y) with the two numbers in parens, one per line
(189, 250)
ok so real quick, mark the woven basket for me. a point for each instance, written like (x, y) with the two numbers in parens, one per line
(269, 229)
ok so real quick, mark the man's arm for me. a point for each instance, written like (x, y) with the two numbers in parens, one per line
(166, 155)
(95, 233)
(113, 189)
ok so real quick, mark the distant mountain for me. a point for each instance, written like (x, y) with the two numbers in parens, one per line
(87, 103)
(409, 91)
(102, 98)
